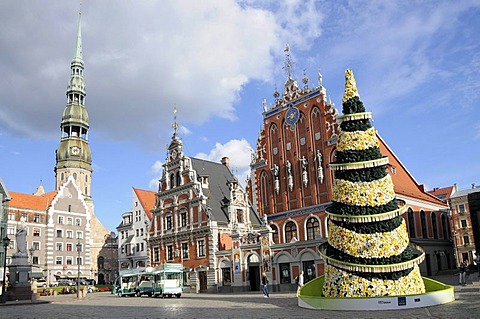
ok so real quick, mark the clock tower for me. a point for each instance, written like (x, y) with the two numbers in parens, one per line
(73, 156)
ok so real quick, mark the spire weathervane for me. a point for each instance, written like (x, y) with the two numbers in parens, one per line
(288, 62)
(175, 124)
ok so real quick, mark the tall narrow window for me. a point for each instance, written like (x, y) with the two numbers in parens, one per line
(183, 218)
(445, 227)
(179, 179)
(434, 225)
(201, 248)
(411, 223)
(423, 223)
(275, 237)
(313, 228)
(290, 231)
(169, 252)
(184, 250)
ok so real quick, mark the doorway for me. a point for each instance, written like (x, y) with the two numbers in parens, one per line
(254, 274)
(202, 278)
(309, 272)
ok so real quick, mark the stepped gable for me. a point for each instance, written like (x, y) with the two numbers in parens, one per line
(28, 201)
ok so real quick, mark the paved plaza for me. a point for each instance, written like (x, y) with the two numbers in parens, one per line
(245, 305)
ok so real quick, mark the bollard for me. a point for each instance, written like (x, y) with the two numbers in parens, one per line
(35, 297)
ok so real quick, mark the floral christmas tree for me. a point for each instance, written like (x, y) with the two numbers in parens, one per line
(368, 253)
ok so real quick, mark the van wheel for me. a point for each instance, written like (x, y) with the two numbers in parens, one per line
(178, 295)
(138, 294)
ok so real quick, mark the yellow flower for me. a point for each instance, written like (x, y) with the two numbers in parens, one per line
(374, 193)
(357, 140)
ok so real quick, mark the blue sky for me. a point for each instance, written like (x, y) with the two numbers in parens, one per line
(417, 65)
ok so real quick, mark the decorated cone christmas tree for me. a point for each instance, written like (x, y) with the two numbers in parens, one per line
(368, 253)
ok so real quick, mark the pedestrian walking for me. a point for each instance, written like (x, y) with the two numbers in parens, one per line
(462, 279)
(265, 285)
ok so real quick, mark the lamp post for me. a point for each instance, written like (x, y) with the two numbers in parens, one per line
(79, 249)
(6, 243)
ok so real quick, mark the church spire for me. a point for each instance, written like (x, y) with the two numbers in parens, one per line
(74, 156)
(78, 55)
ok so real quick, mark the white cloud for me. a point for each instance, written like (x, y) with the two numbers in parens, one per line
(239, 154)
(156, 167)
(143, 59)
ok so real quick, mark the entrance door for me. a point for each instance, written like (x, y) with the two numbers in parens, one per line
(202, 278)
(254, 274)
(309, 272)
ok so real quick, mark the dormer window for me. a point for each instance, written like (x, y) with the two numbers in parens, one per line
(240, 218)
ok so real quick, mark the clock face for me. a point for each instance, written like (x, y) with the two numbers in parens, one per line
(174, 154)
(75, 150)
(292, 116)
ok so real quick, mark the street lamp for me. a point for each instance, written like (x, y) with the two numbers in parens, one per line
(6, 243)
(79, 249)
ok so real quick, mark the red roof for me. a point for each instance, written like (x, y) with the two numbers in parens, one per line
(28, 201)
(443, 193)
(147, 200)
(405, 183)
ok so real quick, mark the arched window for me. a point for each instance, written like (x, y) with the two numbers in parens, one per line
(290, 231)
(445, 227)
(313, 228)
(423, 222)
(101, 262)
(434, 225)
(275, 237)
(411, 223)
(179, 181)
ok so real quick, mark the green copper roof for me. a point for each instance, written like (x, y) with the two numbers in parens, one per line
(78, 57)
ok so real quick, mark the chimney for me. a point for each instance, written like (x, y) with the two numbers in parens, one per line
(226, 161)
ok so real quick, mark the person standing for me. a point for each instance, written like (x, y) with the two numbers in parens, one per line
(265, 285)
(462, 280)
(478, 264)
(300, 281)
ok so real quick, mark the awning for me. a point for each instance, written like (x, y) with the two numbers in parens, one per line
(36, 274)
